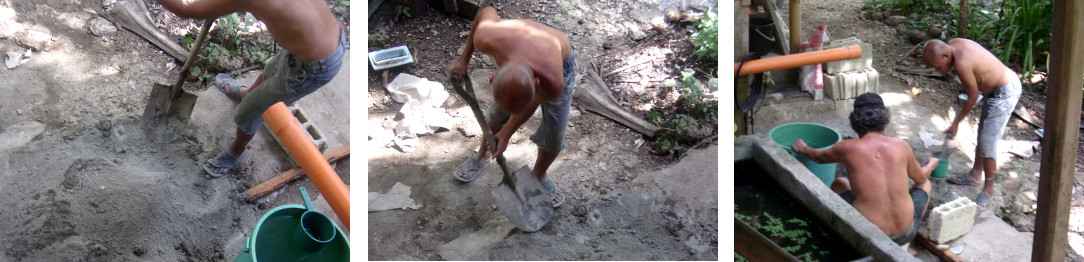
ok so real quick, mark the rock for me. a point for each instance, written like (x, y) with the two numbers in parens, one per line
(895, 20)
(878, 16)
(101, 27)
(934, 32)
(579, 211)
(635, 32)
(607, 45)
(915, 36)
(107, 3)
(674, 16)
(139, 251)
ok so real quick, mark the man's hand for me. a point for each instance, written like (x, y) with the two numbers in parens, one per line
(458, 68)
(799, 146)
(502, 141)
(951, 132)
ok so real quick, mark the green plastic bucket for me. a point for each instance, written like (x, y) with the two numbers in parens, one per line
(295, 233)
(816, 136)
(942, 169)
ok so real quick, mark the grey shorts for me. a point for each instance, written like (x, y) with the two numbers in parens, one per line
(286, 79)
(551, 134)
(995, 115)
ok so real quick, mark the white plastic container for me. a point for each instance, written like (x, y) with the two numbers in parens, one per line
(391, 57)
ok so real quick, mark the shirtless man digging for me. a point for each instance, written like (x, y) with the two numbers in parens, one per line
(980, 72)
(536, 69)
(314, 44)
(878, 168)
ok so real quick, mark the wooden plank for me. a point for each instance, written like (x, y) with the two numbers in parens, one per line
(753, 246)
(280, 181)
(1060, 139)
(945, 255)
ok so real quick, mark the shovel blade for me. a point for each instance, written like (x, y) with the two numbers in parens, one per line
(167, 113)
(526, 205)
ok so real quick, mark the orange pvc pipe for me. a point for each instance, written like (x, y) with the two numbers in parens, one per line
(796, 60)
(285, 126)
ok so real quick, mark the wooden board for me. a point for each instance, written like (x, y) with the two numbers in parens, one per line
(280, 181)
(945, 255)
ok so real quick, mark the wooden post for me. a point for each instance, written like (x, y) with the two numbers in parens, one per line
(1060, 139)
(741, 46)
(795, 26)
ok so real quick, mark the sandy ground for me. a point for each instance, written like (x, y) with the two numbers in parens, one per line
(82, 183)
(1002, 228)
(623, 203)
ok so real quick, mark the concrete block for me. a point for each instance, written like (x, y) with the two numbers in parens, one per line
(851, 84)
(951, 220)
(310, 128)
(863, 62)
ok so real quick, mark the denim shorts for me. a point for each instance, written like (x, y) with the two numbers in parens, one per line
(995, 115)
(551, 134)
(286, 79)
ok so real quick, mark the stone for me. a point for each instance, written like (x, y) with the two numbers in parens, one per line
(878, 16)
(916, 36)
(934, 32)
(635, 32)
(101, 27)
(895, 20)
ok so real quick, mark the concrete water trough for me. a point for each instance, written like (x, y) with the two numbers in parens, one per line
(758, 158)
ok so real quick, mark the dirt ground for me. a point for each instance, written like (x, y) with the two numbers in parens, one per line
(82, 183)
(931, 112)
(622, 204)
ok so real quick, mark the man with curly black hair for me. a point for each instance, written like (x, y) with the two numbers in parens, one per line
(878, 170)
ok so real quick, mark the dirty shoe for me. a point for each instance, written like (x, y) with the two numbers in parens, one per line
(229, 86)
(553, 191)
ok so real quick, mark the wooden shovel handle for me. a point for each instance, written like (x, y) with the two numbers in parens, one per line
(465, 89)
(195, 51)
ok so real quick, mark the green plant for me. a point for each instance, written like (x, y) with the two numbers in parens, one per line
(1022, 37)
(199, 73)
(406, 11)
(344, 3)
(706, 36)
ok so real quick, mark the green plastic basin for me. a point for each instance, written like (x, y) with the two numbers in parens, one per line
(816, 136)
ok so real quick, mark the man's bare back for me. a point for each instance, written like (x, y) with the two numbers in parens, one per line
(305, 28)
(976, 66)
(540, 47)
(878, 167)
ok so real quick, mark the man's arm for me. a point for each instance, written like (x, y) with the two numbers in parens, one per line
(459, 67)
(918, 173)
(514, 122)
(971, 88)
(202, 9)
(833, 154)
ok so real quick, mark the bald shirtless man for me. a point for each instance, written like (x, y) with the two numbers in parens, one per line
(314, 45)
(980, 72)
(878, 168)
(536, 68)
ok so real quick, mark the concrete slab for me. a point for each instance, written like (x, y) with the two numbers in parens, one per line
(993, 240)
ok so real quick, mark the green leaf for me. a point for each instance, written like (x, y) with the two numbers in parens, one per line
(344, 3)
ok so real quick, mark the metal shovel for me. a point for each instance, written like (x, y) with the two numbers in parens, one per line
(170, 107)
(520, 196)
